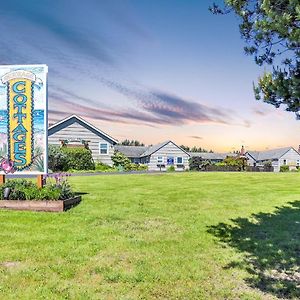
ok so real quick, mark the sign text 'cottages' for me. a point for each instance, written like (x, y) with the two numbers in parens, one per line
(23, 119)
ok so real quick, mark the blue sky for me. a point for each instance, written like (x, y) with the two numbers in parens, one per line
(148, 70)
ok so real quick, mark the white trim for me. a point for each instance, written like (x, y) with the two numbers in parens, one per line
(85, 122)
(107, 148)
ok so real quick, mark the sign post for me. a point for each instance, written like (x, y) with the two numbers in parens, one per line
(23, 120)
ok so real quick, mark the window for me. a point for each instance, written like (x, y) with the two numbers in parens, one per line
(103, 148)
(179, 160)
(160, 160)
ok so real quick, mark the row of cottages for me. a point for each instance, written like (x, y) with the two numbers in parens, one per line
(279, 157)
(75, 130)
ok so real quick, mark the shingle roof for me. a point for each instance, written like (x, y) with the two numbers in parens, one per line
(131, 151)
(150, 150)
(211, 156)
(74, 118)
(269, 154)
(141, 151)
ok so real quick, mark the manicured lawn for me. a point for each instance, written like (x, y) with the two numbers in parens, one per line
(170, 236)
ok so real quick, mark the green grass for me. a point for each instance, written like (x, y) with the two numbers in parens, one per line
(170, 236)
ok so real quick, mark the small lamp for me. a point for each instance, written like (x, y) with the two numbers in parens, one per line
(6, 193)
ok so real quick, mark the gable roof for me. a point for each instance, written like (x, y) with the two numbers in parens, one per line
(156, 147)
(142, 151)
(76, 119)
(131, 151)
(211, 156)
(269, 154)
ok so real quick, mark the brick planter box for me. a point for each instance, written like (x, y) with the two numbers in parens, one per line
(40, 205)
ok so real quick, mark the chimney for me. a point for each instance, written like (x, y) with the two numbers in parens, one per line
(243, 151)
(299, 149)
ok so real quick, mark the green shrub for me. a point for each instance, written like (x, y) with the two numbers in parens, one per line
(171, 169)
(119, 159)
(136, 167)
(101, 167)
(57, 159)
(284, 168)
(78, 158)
(196, 163)
(64, 158)
(123, 163)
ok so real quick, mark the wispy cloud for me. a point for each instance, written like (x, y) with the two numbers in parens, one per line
(196, 137)
(172, 109)
(260, 112)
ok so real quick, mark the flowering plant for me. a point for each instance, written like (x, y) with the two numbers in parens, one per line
(60, 181)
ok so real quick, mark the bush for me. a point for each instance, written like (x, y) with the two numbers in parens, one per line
(78, 158)
(57, 159)
(119, 159)
(136, 167)
(64, 159)
(123, 163)
(171, 169)
(284, 168)
(196, 163)
(101, 167)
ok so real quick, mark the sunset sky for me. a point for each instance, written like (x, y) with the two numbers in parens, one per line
(150, 70)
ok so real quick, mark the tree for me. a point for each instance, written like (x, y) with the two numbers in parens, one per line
(271, 29)
(132, 143)
(194, 149)
(197, 163)
(120, 160)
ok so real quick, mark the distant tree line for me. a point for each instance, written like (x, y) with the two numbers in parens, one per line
(131, 143)
(195, 149)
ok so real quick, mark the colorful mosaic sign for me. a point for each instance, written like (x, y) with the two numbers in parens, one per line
(23, 119)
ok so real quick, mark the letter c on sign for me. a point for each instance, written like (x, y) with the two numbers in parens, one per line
(16, 88)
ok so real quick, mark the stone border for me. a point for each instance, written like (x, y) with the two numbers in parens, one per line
(40, 205)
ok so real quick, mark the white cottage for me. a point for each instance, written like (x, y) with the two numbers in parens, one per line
(75, 129)
(158, 157)
(278, 157)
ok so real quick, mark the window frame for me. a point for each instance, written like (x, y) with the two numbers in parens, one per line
(107, 148)
(160, 161)
(179, 163)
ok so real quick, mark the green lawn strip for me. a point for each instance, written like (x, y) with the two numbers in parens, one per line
(155, 236)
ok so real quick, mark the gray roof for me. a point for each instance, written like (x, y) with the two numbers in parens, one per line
(211, 156)
(74, 118)
(142, 151)
(131, 151)
(156, 147)
(150, 150)
(269, 154)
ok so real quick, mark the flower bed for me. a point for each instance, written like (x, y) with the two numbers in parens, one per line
(41, 205)
(21, 194)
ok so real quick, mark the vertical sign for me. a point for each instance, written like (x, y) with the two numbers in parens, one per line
(23, 119)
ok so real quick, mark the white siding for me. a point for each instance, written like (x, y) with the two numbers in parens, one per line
(292, 158)
(167, 151)
(77, 131)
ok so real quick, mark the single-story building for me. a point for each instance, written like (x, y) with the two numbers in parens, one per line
(278, 157)
(75, 129)
(158, 157)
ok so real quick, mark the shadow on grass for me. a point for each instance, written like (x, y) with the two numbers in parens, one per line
(80, 193)
(270, 244)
